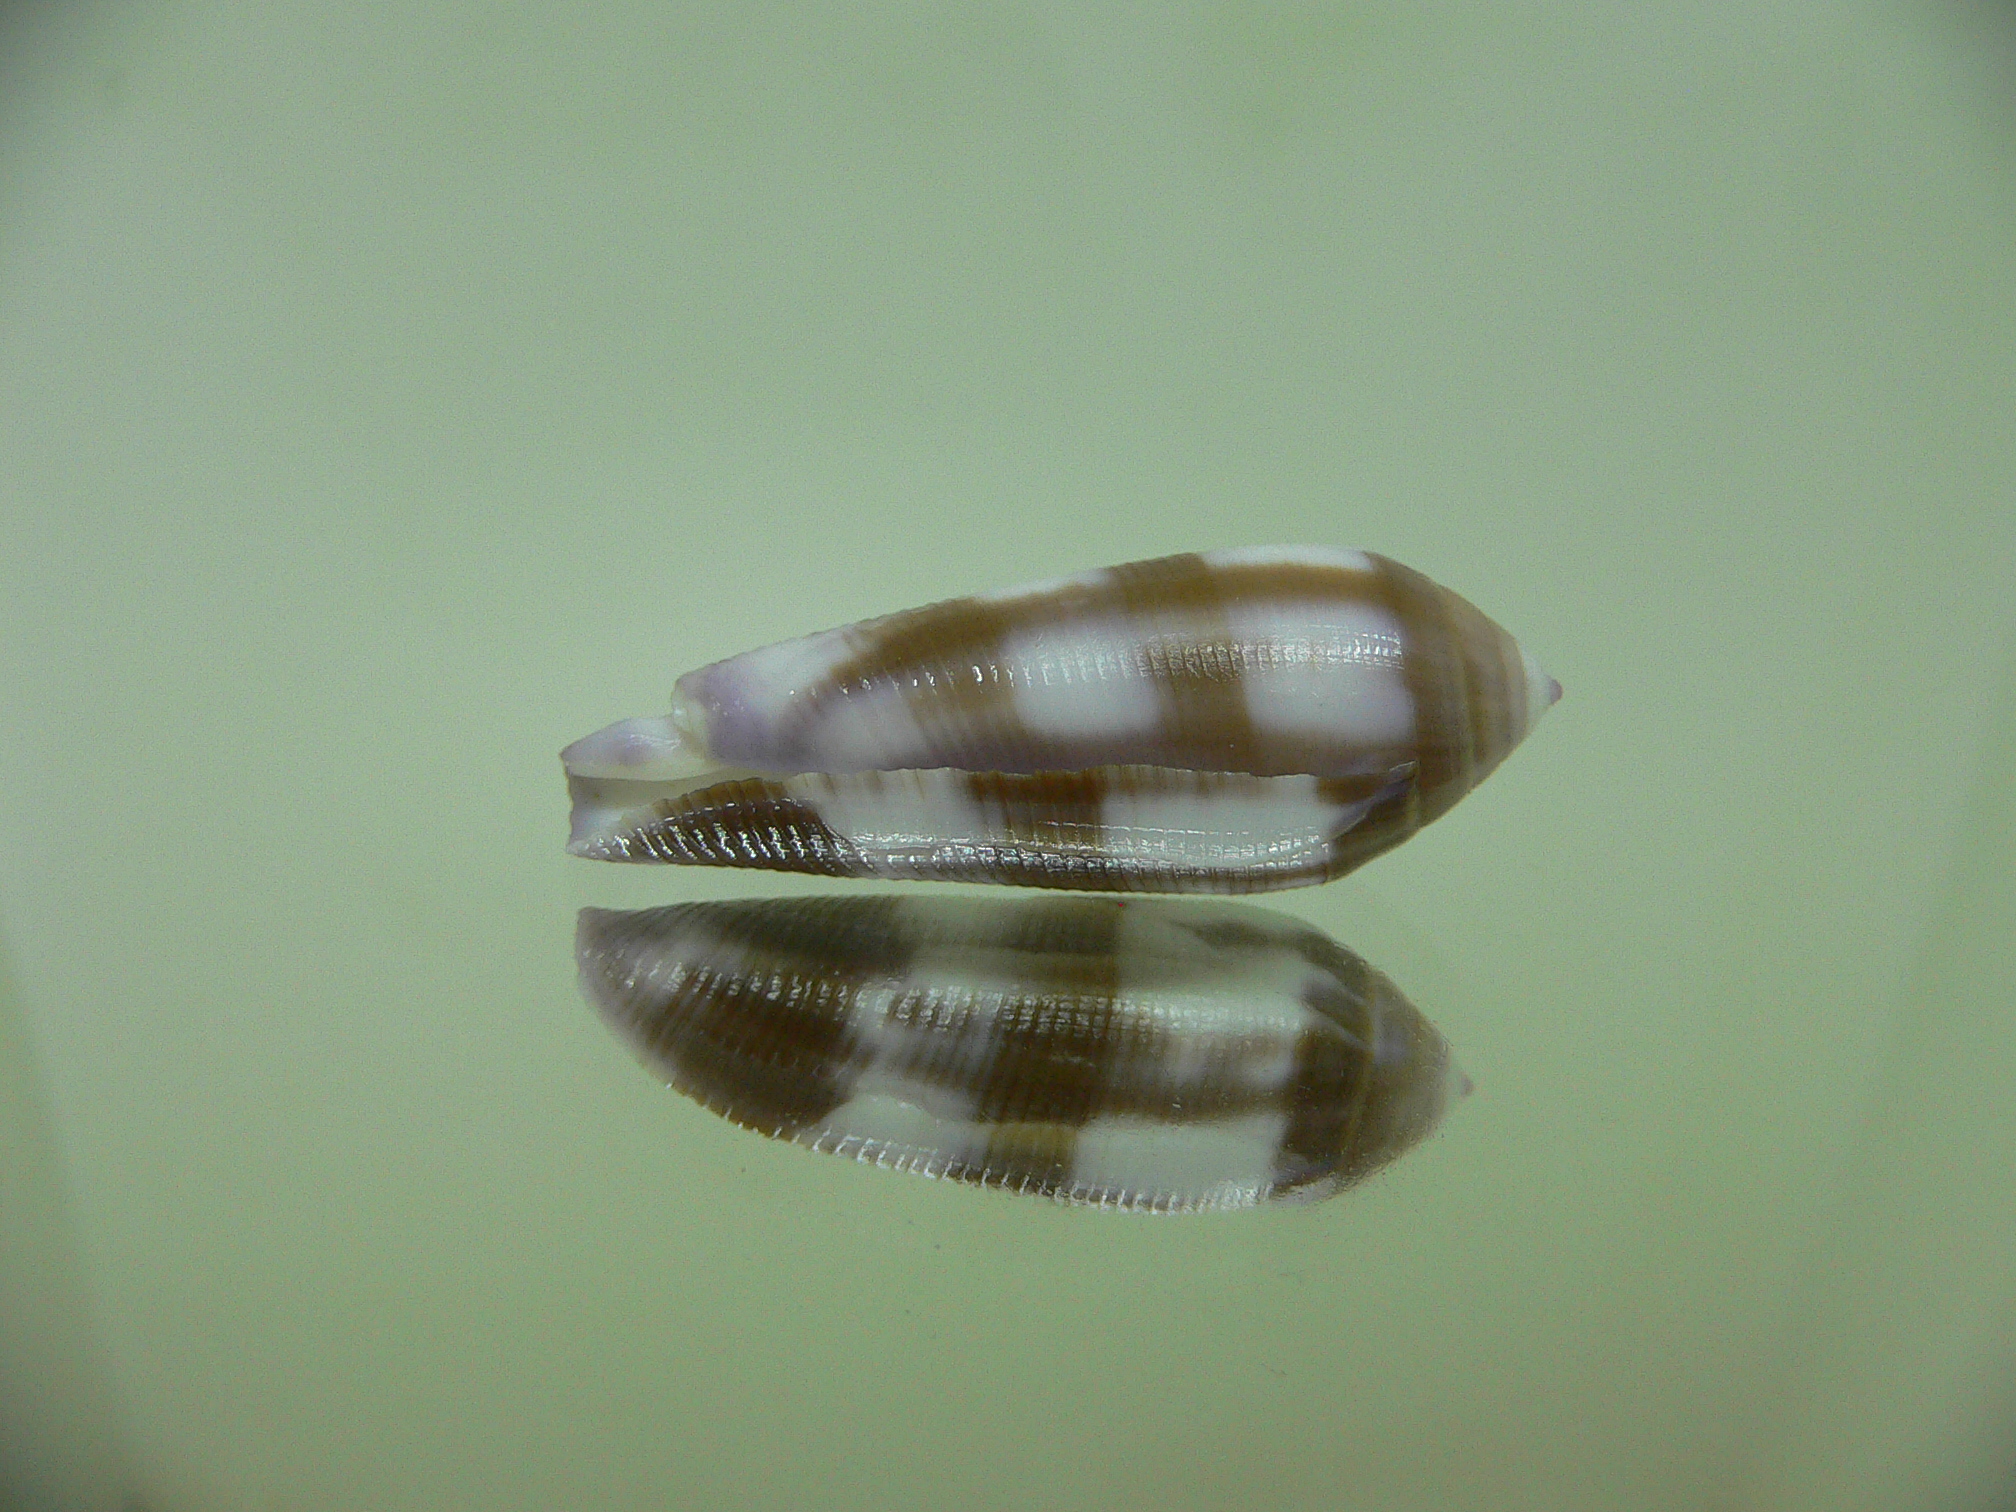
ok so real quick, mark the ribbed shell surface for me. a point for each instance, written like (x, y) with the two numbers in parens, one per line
(1154, 1056)
(1272, 661)
(1226, 721)
(1112, 829)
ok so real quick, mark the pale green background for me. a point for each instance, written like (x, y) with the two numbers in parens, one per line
(389, 395)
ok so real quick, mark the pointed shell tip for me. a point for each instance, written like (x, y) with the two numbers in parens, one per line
(652, 748)
(1542, 691)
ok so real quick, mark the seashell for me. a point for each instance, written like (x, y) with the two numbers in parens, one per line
(1154, 1056)
(1229, 721)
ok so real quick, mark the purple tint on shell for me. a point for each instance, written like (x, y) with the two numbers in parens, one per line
(740, 732)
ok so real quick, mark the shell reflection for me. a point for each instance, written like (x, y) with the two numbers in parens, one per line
(1226, 721)
(1148, 1055)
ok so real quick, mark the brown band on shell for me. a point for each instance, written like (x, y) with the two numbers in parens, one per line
(1281, 753)
(1323, 1099)
(765, 1036)
(1060, 811)
(1437, 680)
(1394, 815)
(1030, 1157)
(1347, 984)
(945, 659)
(1229, 934)
(1287, 582)
(1494, 679)
(1191, 660)
(1054, 1044)
(1409, 1078)
(749, 822)
(1326, 1094)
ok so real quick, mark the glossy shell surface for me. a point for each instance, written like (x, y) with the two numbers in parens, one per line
(1146, 1055)
(1226, 721)
(1114, 829)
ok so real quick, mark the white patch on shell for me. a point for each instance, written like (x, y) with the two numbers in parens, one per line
(1226, 1163)
(651, 748)
(1207, 996)
(1542, 692)
(1083, 683)
(1328, 671)
(878, 1119)
(885, 1129)
(768, 678)
(1263, 824)
(897, 817)
(1300, 556)
(772, 685)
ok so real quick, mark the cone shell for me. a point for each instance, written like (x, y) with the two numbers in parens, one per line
(1145, 1055)
(1228, 721)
